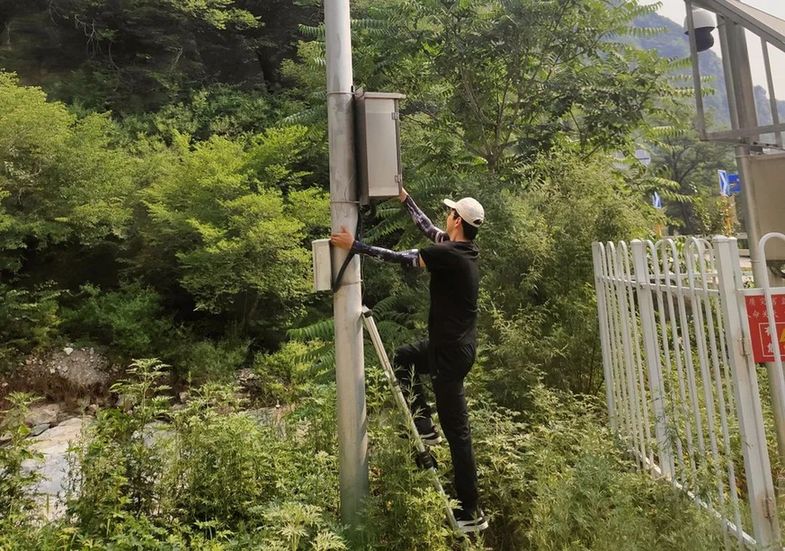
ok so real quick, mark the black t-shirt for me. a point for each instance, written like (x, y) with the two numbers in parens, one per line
(455, 279)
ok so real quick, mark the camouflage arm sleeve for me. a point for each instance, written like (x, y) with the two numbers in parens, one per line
(405, 258)
(423, 222)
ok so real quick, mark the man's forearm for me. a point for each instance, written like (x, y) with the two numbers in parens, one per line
(404, 258)
(423, 222)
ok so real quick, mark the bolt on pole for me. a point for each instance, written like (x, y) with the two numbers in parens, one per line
(347, 300)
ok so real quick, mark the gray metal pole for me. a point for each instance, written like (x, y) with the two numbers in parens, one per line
(347, 301)
(741, 80)
(738, 64)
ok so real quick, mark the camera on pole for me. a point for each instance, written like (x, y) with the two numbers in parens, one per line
(704, 23)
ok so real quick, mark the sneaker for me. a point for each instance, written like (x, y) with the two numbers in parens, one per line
(470, 521)
(428, 433)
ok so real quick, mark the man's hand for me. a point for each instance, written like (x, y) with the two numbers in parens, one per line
(343, 239)
(402, 195)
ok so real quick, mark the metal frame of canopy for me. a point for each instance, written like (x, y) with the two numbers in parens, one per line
(733, 17)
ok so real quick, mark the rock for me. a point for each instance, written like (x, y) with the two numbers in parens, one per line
(38, 429)
(246, 374)
(67, 372)
(42, 414)
(183, 396)
(53, 468)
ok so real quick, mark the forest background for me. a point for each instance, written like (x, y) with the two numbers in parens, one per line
(164, 169)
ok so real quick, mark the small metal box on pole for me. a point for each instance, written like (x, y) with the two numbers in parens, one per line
(378, 145)
(322, 267)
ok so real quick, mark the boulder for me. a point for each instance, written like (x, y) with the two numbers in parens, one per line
(67, 374)
(44, 414)
(39, 429)
(53, 465)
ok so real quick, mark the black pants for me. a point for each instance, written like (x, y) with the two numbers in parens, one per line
(447, 365)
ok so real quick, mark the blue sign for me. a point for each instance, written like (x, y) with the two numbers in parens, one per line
(656, 200)
(729, 183)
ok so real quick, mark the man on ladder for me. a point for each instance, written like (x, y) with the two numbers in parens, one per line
(449, 351)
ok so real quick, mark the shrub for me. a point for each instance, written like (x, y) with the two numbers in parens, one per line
(284, 375)
(559, 481)
(28, 320)
(538, 276)
(224, 462)
(129, 320)
(116, 467)
(17, 502)
(404, 510)
(205, 360)
(216, 477)
(221, 478)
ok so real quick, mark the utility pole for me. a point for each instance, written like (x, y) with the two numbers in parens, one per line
(347, 300)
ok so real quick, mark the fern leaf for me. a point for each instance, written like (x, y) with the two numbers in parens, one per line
(308, 117)
(316, 32)
(322, 330)
(386, 228)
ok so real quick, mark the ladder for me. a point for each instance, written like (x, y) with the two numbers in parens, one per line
(424, 458)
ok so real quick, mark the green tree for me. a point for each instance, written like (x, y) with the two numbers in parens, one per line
(135, 55)
(62, 178)
(538, 295)
(511, 76)
(681, 157)
(228, 223)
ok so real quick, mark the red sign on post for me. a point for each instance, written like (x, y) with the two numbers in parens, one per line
(762, 350)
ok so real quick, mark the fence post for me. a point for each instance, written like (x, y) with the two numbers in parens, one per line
(633, 373)
(652, 350)
(602, 310)
(760, 488)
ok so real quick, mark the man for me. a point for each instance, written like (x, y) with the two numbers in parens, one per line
(449, 352)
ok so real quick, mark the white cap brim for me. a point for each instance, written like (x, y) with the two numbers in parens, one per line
(450, 203)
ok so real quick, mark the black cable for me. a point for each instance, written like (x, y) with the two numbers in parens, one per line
(358, 236)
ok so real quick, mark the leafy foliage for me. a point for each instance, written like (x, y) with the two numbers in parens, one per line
(217, 224)
(177, 226)
(17, 506)
(129, 320)
(118, 470)
(690, 167)
(214, 474)
(60, 177)
(513, 76)
(28, 320)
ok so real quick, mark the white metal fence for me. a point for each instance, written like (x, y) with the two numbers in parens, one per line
(679, 323)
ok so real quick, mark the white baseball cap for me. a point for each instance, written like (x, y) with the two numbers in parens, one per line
(469, 209)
